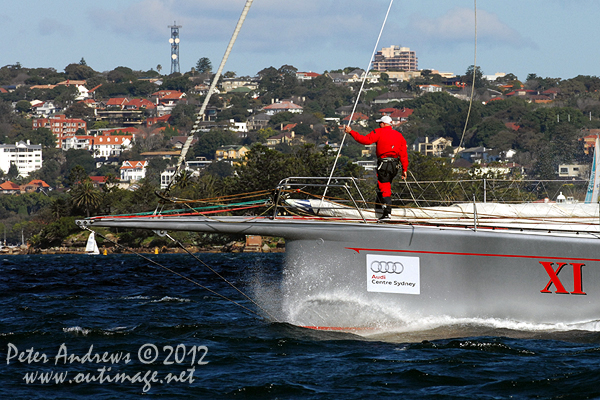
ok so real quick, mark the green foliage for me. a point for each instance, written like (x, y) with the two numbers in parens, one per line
(79, 71)
(183, 116)
(265, 168)
(85, 196)
(13, 172)
(26, 203)
(56, 232)
(79, 110)
(281, 118)
(209, 142)
(220, 169)
(203, 65)
(79, 157)
(181, 83)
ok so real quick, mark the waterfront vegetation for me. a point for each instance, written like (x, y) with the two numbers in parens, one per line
(543, 135)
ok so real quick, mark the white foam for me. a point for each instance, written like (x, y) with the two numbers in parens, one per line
(77, 330)
(171, 299)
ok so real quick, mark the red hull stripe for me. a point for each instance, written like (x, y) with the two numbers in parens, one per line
(450, 253)
(337, 328)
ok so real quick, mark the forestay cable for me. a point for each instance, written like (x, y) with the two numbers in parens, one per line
(215, 80)
(472, 85)
(358, 95)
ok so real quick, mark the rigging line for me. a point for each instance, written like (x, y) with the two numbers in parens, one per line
(473, 84)
(173, 272)
(221, 276)
(358, 95)
(215, 80)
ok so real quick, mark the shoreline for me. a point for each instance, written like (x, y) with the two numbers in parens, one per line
(109, 251)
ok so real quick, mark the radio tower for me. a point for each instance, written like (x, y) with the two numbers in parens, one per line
(174, 47)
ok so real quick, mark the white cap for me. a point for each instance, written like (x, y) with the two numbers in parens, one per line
(386, 119)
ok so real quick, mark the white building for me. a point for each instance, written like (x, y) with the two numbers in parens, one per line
(27, 157)
(132, 171)
(76, 142)
(109, 146)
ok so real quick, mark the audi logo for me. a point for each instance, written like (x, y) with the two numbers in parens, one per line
(389, 267)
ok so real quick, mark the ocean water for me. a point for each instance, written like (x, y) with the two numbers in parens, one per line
(120, 327)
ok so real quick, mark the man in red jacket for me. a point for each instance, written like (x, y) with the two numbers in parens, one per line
(391, 154)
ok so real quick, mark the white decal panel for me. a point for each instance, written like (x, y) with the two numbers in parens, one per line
(393, 274)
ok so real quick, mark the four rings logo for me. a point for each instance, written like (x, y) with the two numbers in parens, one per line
(390, 267)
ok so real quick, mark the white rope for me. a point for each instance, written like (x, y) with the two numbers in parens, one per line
(215, 80)
(472, 86)
(358, 96)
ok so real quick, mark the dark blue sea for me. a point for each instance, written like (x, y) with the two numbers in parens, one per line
(121, 327)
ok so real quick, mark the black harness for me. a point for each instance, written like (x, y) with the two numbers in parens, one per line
(387, 168)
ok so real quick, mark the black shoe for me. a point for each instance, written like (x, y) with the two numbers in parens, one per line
(386, 214)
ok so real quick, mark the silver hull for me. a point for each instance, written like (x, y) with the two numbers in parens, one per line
(342, 275)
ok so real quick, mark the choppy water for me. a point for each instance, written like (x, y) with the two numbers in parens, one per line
(115, 327)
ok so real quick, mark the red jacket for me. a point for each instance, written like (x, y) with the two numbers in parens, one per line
(390, 143)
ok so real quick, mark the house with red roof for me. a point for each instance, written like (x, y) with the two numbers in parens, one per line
(512, 126)
(91, 103)
(139, 104)
(357, 117)
(288, 127)
(155, 120)
(132, 171)
(110, 146)
(117, 102)
(98, 181)
(36, 185)
(283, 105)
(306, 76)
(130, 130)
(9, 187)
(398, 115)
(168, 97)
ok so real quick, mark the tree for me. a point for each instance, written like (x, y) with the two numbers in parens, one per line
(13, 172)
(23, 106)
(209, 142)
(85, 195)
(159, 68)
(183, 180)
(384, 78)
(80, 157)
(468, 77)
(203, 65)
(79, 110)
(220, 169)
(79, 71)
(77, 174)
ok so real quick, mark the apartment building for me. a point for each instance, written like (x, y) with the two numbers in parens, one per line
(60, 126)
(26, 157)
(396, 58)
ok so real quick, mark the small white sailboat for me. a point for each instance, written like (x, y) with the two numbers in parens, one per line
(91, 246)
